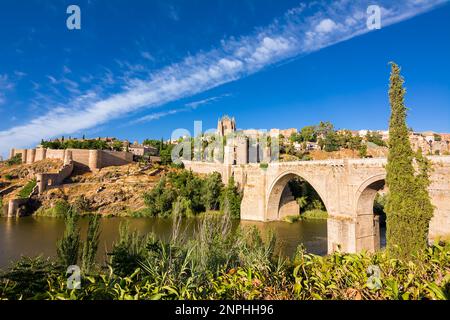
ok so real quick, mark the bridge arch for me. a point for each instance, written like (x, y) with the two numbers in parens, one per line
(277, 187)
(367, 224)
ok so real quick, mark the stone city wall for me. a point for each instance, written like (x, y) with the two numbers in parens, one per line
(90, 159)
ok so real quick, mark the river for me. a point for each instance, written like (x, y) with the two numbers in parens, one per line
(33, 236)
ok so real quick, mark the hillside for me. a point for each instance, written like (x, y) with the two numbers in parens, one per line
(110, 191)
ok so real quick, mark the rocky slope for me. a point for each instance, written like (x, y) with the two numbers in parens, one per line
(110, 191)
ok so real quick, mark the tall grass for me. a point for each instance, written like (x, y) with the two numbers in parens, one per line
(222, 262)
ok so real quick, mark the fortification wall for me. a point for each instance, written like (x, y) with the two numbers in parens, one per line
(115, 158)
(46, 180)
(208, 168)
(55, 154)
(92, 159)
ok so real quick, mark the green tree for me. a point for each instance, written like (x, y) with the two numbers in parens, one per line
(69, 246)
(159, 200)
(362, 151)
(331, 142)
(213, 187)
(91, 245)
(376, 138)
(117, 145)
(230, 202)
(308, 134)
(166, 155)
(408, 205)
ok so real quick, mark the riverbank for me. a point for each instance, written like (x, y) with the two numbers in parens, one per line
(219, 263)
(33, 236)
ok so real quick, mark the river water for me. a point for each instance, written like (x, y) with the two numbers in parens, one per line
(33, 236)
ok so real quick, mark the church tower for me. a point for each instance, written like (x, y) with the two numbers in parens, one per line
(226, 125)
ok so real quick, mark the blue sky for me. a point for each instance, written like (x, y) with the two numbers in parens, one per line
(140, 69)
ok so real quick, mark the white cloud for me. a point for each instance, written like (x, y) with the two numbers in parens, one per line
(157, 115)
(326, 25)
(147, 55)
(196, 104)
(292, 35)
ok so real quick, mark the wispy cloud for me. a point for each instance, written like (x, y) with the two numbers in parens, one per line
(6, 84)
(300, 31)
(198, 103)
(158, 115)
(188, 107)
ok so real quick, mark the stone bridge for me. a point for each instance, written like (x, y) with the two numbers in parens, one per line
(347, 187)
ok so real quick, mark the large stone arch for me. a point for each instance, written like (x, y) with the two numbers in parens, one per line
(276, 189)
(367, 224)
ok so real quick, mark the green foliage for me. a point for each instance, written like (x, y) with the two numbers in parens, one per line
(263, 165)
(363, 150)
(376, 138)
(306, 196)
(315, 214)
(17, 159)
(189, 194)
(26, 191)
(128, 251)
(68, 247)
(330, 142)
(91, 144)
(230, 201)
(117, 145)
(223, 264)
(90, 246)
(212, 189)
(159, 200)
(158, 144)
(166, 155)
(59, 210)
(292, 218)
(379, 204)
(408, 207)
(309, 134)
(8, 176)
(302, 202)
(182, 207)
(28, 278)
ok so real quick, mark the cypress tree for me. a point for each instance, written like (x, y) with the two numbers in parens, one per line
(68, 247)
(408, 206)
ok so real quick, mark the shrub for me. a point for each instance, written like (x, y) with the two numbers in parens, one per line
(128, 251)
(315, 214)
(192, 193)
(17, 159)
(26, 191)
(159, 200)
(28, 278)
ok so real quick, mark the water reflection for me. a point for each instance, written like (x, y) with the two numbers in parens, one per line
(32, 236)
